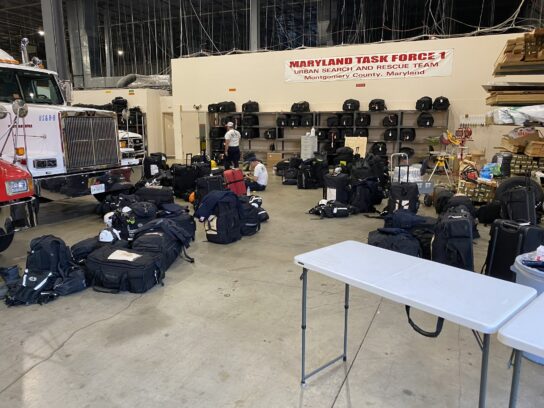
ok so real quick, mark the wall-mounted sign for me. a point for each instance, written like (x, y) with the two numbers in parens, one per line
(414, 64)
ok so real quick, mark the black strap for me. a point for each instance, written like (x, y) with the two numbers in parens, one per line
(102, 289)
(436, 333)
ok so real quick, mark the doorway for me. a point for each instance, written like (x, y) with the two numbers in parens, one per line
(168, 135)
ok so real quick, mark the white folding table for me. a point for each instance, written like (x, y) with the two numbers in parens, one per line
(525, 332)
(469, 299)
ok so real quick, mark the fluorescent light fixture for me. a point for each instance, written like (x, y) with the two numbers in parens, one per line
(41, 32)
(120, 52)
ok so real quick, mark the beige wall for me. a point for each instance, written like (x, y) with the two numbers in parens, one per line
(260, 77)
(149, 101)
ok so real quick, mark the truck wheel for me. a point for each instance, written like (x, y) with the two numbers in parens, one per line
(5, 241)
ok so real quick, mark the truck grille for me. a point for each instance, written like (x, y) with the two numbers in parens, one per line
(90, 141)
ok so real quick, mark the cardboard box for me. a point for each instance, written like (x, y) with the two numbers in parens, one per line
(535, 149)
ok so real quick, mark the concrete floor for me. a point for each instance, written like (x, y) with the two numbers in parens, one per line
(225, 332)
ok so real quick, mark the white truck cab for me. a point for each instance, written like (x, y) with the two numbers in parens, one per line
(69, 151)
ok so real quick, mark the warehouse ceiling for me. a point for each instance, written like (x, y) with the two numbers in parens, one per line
(143, 35)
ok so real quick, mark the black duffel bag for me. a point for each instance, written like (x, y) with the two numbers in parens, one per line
(391, 120)
(362, 119)
(424, 103)
(227, 106)
(361, 132)
(407, 134)
(281, 121)
(307, 120)
(115, 270)
(346, 120)
(333, 121)
(351, 105)
(293, 120)
(425, 119)
(377, 105)
(250, 106)
(250, 120)
(300, 107)
(441, 103)
(390, 135)
(213, 107)
(156, 194)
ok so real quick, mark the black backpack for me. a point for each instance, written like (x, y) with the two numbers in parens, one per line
(441, 103)
(48, 260)
(300, 107)
(351, 105)
(250, 222)
(377, 105)
(281, 121)
(452, 243)
(250, 106)
(213, 107)
(425, 119)
(293, 120)
(223, 226)
(143, 213)
(391, 120)
(424, 103)
(395, 239)
(305, 178)
(362, 196)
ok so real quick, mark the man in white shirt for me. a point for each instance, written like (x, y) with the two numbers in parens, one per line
(259, 179)
(232, 146)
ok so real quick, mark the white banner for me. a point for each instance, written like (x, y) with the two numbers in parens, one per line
(412, 64)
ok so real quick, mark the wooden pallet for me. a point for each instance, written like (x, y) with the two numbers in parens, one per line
(515, 98)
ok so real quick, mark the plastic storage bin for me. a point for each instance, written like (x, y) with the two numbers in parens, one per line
(535, 279)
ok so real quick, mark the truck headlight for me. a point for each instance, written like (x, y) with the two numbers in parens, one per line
(123, 144)
(17, 187)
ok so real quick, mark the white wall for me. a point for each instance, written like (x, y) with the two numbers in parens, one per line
(149, 101)
(260, 77)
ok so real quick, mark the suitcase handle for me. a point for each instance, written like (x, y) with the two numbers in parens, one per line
(399, 155)
(188, 158)
(509, 226)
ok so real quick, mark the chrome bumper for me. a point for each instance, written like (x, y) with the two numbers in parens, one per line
(18, 215)
(79, 184)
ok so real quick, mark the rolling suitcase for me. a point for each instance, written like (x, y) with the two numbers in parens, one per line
(184, 179)
(114, 270)
(206, 184)
(336, 187)
(234, 181)
(508, 240)
(518, 204)
(403, 195)
(153, 164)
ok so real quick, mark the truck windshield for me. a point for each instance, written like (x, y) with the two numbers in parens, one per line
(32, 87)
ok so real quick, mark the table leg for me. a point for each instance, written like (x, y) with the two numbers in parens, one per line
(346, 307)
(483, 374)
(304, 278)
(515, 379)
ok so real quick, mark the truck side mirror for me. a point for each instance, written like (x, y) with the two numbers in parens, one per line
(66, 88)
(20, 108)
